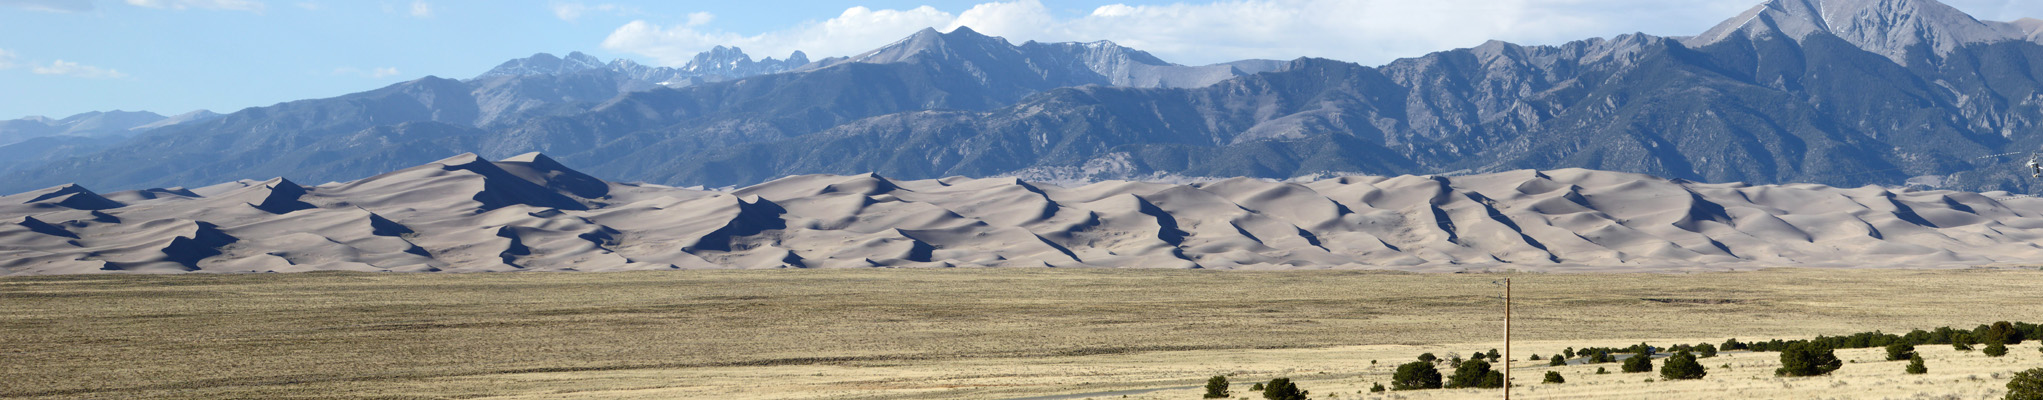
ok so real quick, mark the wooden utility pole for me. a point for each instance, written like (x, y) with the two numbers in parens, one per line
(1507, 338)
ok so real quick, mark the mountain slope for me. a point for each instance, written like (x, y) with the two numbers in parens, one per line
(530, 212)
(1843, 92)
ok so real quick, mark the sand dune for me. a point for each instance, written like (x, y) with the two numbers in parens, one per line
(466, 214)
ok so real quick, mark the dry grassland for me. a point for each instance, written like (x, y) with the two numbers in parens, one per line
(979, 333)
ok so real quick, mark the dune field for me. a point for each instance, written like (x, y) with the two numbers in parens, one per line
(466, 214)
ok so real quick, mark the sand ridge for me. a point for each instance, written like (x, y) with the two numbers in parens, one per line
(530, 212)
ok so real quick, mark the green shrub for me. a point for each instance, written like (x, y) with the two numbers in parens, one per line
(1642, 349)
(1256, 387)
(1995, 350)
(1469, 374)
(1900, 351)
(1492, 380)
(1637, 363)
(1807, 359)
(1682, 366)
(1915, 366)
(1708, 350)
(1494, 355)
(2004, 333)
(1602, 356)
(1283, 389)
(1568, 353)
(1216, 387)
(2027, 385)
(1376, 389)
(1427, 357)
(1554, 377)
(1414, 376)
(1536, 357)
(1601, 371)
(1556, 361)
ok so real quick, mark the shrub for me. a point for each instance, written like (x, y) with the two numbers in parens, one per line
(1474, 374)
(1568, 353)
(1682, 366)
(1708, 350)
(1494, 355)
(1995, 350)
(1637, 363)
(1216, 388)
(1376, 389)
(1732, 344)
(1807, 359)
(1536, 357)
(1601, 356)
(1900, 351)
(2004, 333)
(1414, 376)
(1915, 366)
(1427, 357)
(1641, 349)
(1601, 371)
(1256, 387)
(2027, 385)
(1283, 389)
(1554, 377)
(1556, 361)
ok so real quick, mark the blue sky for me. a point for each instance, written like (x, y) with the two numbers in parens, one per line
(61, 57)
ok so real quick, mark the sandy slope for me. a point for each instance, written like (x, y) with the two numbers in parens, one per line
(531, 213)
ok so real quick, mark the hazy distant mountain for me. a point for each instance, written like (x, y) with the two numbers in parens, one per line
(532, 213)
(190, 117)
(1110, 63)
(90, 124)
(718, 64)
(1844, 92)
(34, 141)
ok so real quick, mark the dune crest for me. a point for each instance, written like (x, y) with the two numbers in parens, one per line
(530, 212)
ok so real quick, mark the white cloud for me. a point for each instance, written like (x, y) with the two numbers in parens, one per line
(384, 72)
(419, 9)
(310, 6)
(236, 5)
(1367, 31)
(60, 6)
(700, 18)
(66, 68)
(574, 10)
(6, 59)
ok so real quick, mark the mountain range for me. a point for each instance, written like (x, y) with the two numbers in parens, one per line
(532, 213)
(1841, 92)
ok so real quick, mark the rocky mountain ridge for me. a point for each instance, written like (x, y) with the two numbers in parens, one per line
(1815, 97)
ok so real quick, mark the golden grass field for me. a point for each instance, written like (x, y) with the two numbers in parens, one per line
(960, 333)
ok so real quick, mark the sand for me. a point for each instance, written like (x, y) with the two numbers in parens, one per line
(530, 213)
